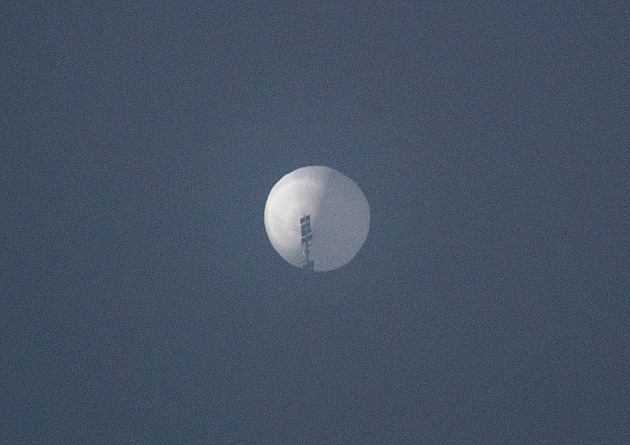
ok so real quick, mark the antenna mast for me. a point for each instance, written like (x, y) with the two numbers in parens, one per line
(307, 237)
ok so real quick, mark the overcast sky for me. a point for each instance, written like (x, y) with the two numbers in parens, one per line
(140, 298)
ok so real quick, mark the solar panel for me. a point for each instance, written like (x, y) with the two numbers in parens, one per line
(307, 237)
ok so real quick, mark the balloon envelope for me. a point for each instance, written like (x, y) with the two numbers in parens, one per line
(339, 217)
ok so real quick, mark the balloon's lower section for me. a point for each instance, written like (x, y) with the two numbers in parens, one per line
(339, 217)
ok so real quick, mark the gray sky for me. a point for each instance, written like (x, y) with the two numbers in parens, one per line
(141, 301)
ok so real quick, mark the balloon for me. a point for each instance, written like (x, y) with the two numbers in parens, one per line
(317, 218)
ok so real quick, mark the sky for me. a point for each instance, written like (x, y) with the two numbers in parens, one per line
(142, 302)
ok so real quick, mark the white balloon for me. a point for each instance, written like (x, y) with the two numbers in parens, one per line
(339, 217)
